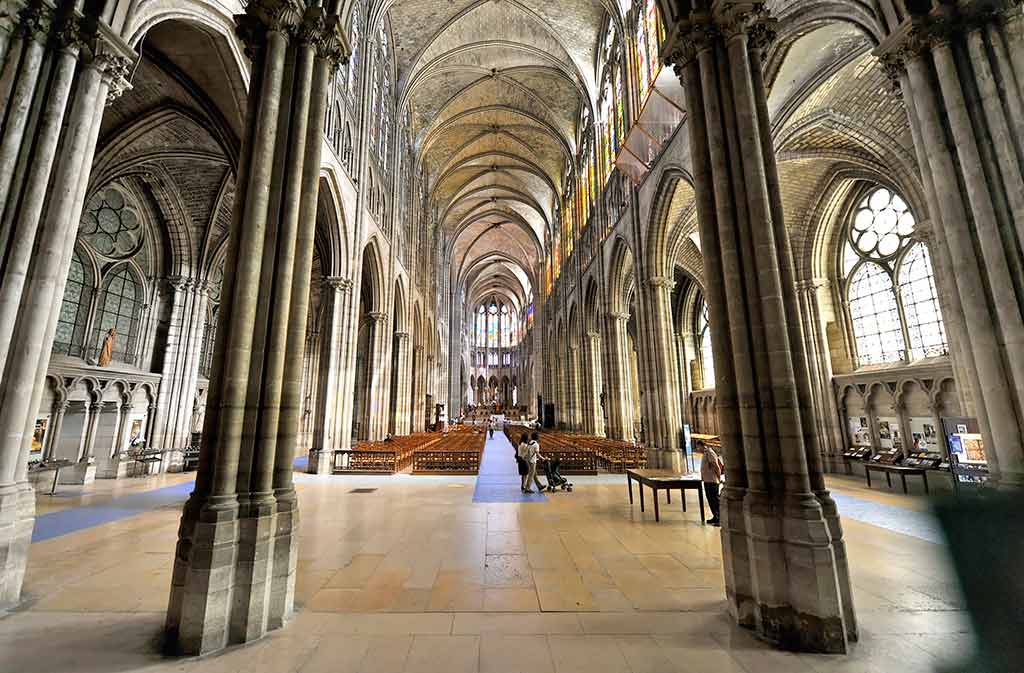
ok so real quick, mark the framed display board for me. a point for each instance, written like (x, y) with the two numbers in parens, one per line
(924, 436)
(889, 436)
(860, 433)
(39, 438)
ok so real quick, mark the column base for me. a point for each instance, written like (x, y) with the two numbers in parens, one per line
(17, 519)
(666, 459)
(320, 462)
(796, 574)
(79, 474)
(285, 561)
(174, 461)
(111, 468)
(234, 573)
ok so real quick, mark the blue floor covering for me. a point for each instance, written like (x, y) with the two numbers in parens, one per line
(498, 480)
(74, 519)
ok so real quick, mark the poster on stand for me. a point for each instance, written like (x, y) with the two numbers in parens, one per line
(965, 443)
(924, 436)
(860, 435)
(889, 433)
(39, 438)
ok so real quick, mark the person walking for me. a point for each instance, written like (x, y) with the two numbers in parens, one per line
(523, 466)
(490, 429)
(533, 456)
(711, 470)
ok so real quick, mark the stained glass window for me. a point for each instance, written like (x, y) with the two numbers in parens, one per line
(506, 328)
(707, 357)
(353, 61)
(492, 326)
(889, 326)
(649, 34)
(921, 304)
(118, 309)
(875, 316)
(481, 328)
(74, 309)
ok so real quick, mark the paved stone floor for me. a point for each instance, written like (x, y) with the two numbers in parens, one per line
(418, 576)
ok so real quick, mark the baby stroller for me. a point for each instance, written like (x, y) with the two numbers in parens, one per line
(554, 477)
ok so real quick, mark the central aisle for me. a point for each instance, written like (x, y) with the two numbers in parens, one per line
(498, 478)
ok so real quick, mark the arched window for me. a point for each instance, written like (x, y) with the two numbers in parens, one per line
(106, 284)
(649, 35)
(118, 309)
(889, 284)
(353, 61)
(74, 309)
(481, 328)
(707, 357)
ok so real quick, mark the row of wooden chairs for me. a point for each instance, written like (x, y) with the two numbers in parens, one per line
(584, 454)
(382, 457)
(458, 452)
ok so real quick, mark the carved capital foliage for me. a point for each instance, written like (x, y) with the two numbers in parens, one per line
(661, 282)
(69, 33)
(34, 22)
(267, 16)
(337, 283)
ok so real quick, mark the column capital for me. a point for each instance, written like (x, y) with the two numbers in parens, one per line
(34, 22)
(618, 315)
(377, 316)
(402, 336)
(697, 30)
(815, 283)
(337, 283)
(661, 282)
(116, 69)
(593, 334)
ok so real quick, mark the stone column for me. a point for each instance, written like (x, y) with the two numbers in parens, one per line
(617, 396)
(376, 411)
(109, 464)
(419, 394)
(661, 391)
(682, 347)
(234, 574)
(961, 74)
(403, 395)
(785, 564)
(594, 378)
(826, 415)
(60, 408)
(57, 87)
(330, 412)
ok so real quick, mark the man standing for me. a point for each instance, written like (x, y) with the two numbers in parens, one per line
(711, 470)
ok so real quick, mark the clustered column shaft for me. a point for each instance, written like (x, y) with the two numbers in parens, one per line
(59, 68)
(234, 572)
(783, 553)
(962, 76)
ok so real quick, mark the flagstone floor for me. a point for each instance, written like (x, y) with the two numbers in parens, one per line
(421, 575)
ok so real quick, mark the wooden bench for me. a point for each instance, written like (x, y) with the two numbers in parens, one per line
(901, 470)
(665, 480)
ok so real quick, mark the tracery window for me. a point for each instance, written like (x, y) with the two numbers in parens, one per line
(107, 279)
(889, 283)
(353, 61)
(649, 35)
(707, 357)
(74, 311)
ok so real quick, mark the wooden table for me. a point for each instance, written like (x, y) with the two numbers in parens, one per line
(901, 470)
(665, 480)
